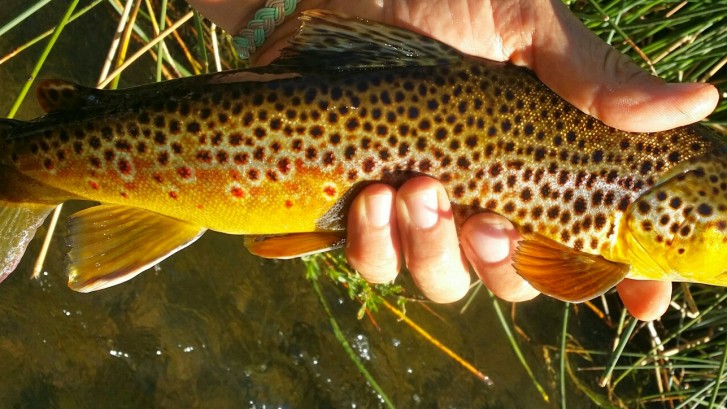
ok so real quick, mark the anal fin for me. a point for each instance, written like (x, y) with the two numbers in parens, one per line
(294, 244)
(18, 223)
(111, 244)
(565, 273)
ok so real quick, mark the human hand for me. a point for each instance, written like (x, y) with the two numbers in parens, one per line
(542, 35)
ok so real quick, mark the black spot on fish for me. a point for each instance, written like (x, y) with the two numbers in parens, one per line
(368, 165)
(204, 156)
(413, 112)
(623, 204)
(163, 158)
(403, 149)
(193, 127)
(329, 158)
(704, 209)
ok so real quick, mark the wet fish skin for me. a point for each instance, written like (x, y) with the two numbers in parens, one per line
(282, 149)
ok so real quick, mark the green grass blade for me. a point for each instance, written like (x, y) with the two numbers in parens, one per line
(720, 374)
(617, 353)
(160, 49)
(42, 36)
(146, 38)
(313, 274)
(697, 320)
(201, 45)
(516, 347)
(22, 16)
(41, 59)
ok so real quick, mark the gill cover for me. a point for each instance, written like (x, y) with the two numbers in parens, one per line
(678, 229)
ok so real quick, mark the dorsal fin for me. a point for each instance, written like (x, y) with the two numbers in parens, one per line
(337, 42)
(59, 95)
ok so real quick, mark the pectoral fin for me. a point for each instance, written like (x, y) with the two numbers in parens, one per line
(111, 244)
(294, 244)
(564, 273)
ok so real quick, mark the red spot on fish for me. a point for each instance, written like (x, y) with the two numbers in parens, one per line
(93, 185)
(237, 192)
(173, 194)
(184, 172)
(199, 206)
(235, 175)
(288, 204)
(48, 164)
(157, 178)
(284, 165)
(329, 190)
(124, 195)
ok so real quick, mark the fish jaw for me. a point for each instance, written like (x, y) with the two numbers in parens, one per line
(677, 230)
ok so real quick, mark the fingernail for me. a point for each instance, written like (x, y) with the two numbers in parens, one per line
(491, 242)
(423, 208)
(378, 209)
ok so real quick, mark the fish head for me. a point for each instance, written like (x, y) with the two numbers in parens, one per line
(677, 230)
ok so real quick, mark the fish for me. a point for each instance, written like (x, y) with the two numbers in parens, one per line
(277, 153)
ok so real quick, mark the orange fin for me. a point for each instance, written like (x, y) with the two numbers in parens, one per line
(564, 273)
(295, 244)
(111, 244)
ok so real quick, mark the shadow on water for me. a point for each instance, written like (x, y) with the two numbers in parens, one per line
(216, 327)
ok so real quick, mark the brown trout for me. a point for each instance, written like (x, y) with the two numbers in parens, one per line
(277, 152)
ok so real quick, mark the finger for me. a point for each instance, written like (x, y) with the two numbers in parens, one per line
(230, 15)
(645, 300)
(488, 241)
(429, 240)
(604, 83)
(373, 237)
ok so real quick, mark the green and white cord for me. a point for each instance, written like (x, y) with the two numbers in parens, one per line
(262, 25)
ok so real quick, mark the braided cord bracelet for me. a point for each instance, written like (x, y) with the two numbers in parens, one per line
(262, 25)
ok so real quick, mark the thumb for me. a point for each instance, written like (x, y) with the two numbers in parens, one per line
(604, 83)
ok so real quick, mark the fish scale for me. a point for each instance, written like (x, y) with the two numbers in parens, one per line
(285, 151)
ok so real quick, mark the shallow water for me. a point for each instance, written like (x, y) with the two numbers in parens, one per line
(216, 327)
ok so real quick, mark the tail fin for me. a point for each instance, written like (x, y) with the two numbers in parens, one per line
(18, 223)
(20, 212)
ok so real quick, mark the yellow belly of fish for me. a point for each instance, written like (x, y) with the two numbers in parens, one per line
(216, 199)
